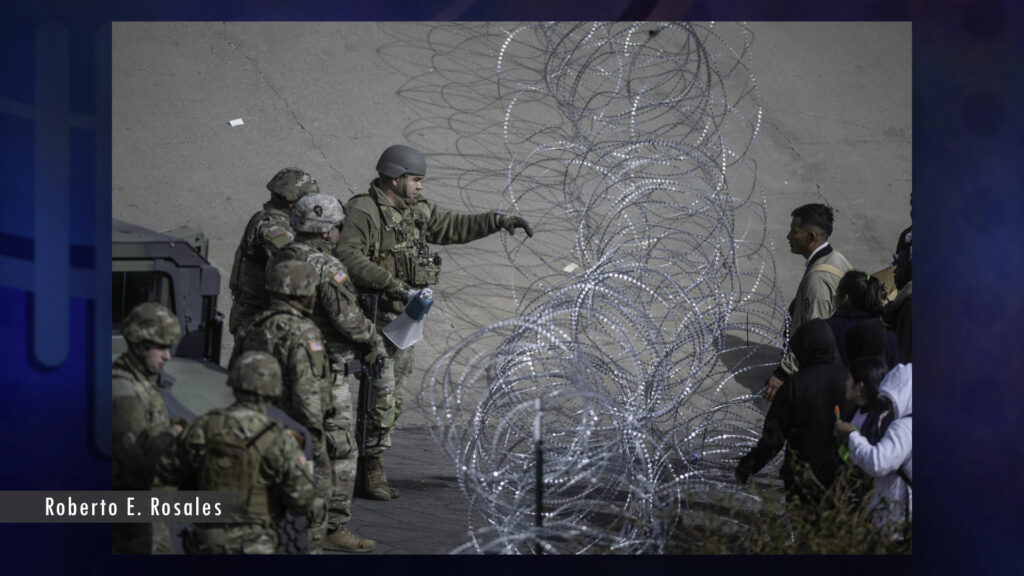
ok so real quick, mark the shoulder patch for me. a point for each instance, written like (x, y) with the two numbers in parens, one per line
(278, 236)
(316, 346)
(339, 277)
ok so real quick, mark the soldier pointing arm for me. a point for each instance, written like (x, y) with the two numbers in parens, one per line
(384, 246)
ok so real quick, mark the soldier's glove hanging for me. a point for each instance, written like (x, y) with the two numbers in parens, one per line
(180, 422)
(397, 290)
(509, 223)
(297, 436)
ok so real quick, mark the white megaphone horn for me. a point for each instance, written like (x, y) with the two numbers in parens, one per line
(407, 329)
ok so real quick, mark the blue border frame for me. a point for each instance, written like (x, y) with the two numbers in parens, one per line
(967, 141)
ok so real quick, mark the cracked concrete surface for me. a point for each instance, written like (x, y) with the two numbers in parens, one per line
(324, 96)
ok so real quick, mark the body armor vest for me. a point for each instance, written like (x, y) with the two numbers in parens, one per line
(402, 249)
(248, 272)
(231, 462)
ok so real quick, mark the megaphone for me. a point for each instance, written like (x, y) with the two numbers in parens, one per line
(407, 329)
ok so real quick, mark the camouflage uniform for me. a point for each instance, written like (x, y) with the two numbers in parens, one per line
(267, 231)
(142, 431)
(380, 244)
(349, 335)
(384, 248)
(241, 449)
(286, 332)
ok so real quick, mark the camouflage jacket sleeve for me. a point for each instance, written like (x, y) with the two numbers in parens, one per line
(139, 441)
(186, 455)
(359, 235)
(280, 469)
(337, 295)
(306, 371)
(444, 227)
(274, 233)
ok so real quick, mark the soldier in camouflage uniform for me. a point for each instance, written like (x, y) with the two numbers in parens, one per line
(242, 450)
(267, 231)
(350, 335)
(143, 433)
(383, 245)
(285, 331)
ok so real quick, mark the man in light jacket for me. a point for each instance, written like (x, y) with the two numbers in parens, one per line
(890, 461)
(808, 236)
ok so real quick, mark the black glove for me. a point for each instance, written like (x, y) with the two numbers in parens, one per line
(373, 361)
(742, 475)
(510, 223)
(371, 357)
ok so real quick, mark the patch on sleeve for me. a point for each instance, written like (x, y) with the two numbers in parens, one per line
(316, 346)
(278, 236)
(339, 277)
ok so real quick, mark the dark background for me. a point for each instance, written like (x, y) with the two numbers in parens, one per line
(967, 146)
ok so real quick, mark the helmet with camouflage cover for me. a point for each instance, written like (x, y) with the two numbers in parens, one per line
(151, 322)
(292, 278)
(292, 184)
(256, 372)
(398, 159)
(316, 213)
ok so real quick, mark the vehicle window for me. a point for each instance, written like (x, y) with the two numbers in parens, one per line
(133, 288)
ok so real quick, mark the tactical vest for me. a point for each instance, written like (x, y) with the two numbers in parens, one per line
(401, 248)
(232, 463)
(248, 272)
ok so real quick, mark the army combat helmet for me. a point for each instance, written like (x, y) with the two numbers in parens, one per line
(292, 184)
(316, 213)
(292, 278)
(151, 322)
(256, 372)
(399, 159)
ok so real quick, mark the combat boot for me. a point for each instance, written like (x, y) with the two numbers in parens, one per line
(371, 482)
(345, 540)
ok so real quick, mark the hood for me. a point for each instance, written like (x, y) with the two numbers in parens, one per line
(866, 339)
(813, 343)
(896, 386)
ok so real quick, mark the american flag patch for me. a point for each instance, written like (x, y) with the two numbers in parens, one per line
(316, 346)
(275, 232)
(340, 276)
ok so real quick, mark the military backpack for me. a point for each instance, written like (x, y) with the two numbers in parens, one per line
(231, 462)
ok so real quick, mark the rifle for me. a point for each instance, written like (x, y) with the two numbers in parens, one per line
(367, 374)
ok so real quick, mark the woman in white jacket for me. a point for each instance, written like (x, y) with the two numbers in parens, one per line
(890, 460)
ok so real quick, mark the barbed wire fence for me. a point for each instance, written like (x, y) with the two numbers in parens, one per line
(647, 292)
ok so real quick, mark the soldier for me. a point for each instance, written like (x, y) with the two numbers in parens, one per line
(267, 231)
(350, 335)
(240, 449)
(142, 431)
(383, 246)
(286, 331)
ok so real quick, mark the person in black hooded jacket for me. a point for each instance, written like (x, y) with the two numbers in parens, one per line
(802, 418)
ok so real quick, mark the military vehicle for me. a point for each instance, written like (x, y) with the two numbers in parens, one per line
(171, 268)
